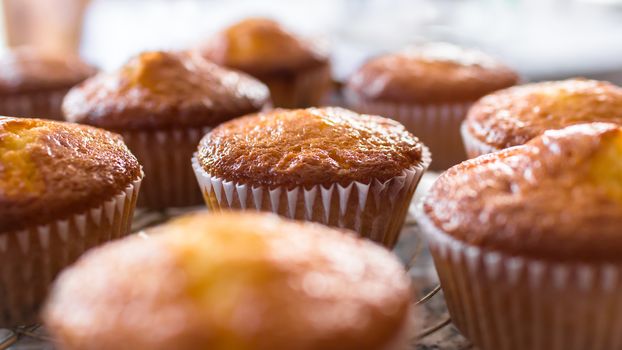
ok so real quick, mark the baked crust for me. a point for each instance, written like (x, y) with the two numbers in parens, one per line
(307, 147)
(514, 116)
(162, 90)
(431, 73)
(26, 70)
(558, 197)
(51, 170)
(261, 46)
(232, 281)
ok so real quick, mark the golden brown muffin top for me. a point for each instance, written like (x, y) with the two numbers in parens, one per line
(514, 116)
(260, 46)
(49, 170)
(431, 73)
(25, 70)
(309, 147)
(232, 281)
(160, 90)
(558, 197)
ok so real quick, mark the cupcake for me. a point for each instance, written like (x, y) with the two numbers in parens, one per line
(527, 242)
(328, 165)
(64, 188)
(33, 83)
(428, 89)
(296, 70)
(233, 281)
(516, 115)
(163, 103)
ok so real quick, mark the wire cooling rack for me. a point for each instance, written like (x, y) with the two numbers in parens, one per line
(434, 325)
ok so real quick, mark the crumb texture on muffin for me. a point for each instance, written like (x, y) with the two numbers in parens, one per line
(232, 281)
(50, 168)
(308, 147)
(262, 46)
(160, 90)
(26, 69)
(514, 116)
(431, 73)
(557, 197)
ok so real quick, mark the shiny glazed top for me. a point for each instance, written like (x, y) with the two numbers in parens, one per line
(431, 73)
(160, 90)
(25, 70)
(308, 147)
(557, 197)
(232, 281)
(262, 46)
(49, 170)
(514, 116)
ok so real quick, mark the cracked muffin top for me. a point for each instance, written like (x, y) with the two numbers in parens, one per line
(557, 197)
(160, 90)
(516, 115)
(430, 73)
(52, 169)
(233, 281)
(309, 147)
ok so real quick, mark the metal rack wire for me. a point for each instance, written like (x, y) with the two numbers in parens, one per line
(35, 334)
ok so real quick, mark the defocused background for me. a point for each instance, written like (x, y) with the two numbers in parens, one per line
(542, 39)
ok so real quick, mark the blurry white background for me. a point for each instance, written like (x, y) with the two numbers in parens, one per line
(543, 39)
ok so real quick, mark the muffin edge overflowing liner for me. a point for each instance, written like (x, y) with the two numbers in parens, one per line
(43, 250)
(498, 300)
(330, 206)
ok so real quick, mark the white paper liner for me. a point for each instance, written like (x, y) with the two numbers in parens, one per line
(500, 301)
(34, 105)
(375, 210)
(30, 259)
(473, 146)
(165, 157)
(437, 125)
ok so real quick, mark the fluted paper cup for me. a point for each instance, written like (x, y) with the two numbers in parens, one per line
(31, 258)
(508, 302)
(437, 125)
(473, 146)
(165, 156)
(375, 210)
(45, 104)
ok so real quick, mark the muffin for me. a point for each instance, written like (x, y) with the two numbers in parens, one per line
(33, 83)
(233, 281)
(163, 103)
(428, 89)
(64, 188)
(516, 115)
(296, 70)
(527, 242)
(328, 165)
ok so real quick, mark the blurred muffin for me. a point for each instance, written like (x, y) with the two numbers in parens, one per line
(163, 103)
(328, 165)
(514, 116)
(33, 83)
(527, 241)
(64, 188)
(233, 281)
(429, 89)
(296, 70)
